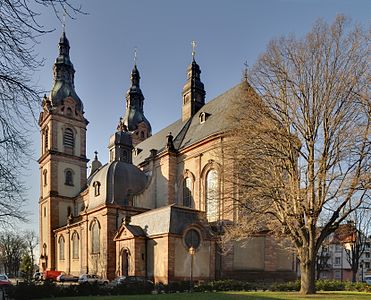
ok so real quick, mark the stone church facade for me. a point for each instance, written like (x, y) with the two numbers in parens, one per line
(155, 208)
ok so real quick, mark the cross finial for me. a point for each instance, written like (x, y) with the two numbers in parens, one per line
(135, 55)
(193, 49)
(96, 155)
(64, 21)
(245, 71)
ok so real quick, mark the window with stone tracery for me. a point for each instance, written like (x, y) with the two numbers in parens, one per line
(75, 245)
(95, 237)
(187, 192)
(212, 195)
(61, 248)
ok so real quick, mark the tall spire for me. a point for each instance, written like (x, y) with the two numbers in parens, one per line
(134, 119)
(63, 76)
(193, 90)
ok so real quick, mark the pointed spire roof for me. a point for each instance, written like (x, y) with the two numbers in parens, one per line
(134, 113)
(63, 76)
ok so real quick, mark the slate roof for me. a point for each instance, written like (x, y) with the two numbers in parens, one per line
(168, 219)
(187, 133)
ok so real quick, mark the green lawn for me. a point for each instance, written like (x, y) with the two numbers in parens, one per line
(233, 295)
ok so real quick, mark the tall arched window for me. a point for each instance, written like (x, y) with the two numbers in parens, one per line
(68, 177)
(212, 195)
(187, 192)
(75, 245)
(68, 138)
(45, 175)
(61, 248)
(95, 238)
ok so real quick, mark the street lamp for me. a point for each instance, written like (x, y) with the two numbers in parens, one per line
(362, 270)
(192, 252)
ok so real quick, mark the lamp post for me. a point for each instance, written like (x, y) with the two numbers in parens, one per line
(362, 270)
(192, 252)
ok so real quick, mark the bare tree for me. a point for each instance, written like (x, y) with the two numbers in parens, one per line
(31, 241)
(299, 156)
(19, 97)
(355, 238)
(12, 248)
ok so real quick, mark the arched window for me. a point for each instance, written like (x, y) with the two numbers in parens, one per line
(68, 177)
(69, 111)
(142, 135)
(95, 238)
(44, 249)
(75, 245)
(96, 186)
(68, 138)
(45, 177)
(187, 192)
(212, 195)
(61, 248)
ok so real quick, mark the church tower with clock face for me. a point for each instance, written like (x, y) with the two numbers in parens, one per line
(63, 162)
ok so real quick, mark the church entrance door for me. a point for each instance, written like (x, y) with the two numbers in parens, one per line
(125, 263)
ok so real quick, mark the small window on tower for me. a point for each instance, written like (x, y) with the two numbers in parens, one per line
(68, 138)
(44, 211)
(124, 156)
(69, 111)
(68, 177)
(45, 175)
(142, 135)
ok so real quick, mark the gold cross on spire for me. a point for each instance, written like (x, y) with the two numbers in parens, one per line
(193, 49)
(135, 55)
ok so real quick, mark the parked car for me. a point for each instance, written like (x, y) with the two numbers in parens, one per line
(51, 275)
(4, 280)
(87, 278)
(132, 279)
(133, 282)
(367, 279)
(67, 278)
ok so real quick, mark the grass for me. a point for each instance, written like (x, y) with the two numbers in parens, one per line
(234, 296)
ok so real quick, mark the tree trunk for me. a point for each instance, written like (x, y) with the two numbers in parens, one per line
(354, 275)
(307, 278)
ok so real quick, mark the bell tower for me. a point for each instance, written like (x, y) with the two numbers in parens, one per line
(134, 119)
(63, 161)
(193, 91)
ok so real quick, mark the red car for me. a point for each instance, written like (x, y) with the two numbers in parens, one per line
(4, 280)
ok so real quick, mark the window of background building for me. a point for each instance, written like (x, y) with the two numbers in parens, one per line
(337, 260)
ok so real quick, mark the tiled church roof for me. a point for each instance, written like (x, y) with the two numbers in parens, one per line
(187, 133)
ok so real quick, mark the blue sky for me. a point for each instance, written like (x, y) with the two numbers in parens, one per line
(227, 32)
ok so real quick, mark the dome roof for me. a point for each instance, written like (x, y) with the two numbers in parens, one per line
(117, 182)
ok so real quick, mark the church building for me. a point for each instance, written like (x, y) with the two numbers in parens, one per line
(155, 208)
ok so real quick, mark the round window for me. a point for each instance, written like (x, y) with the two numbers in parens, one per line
(192, 239)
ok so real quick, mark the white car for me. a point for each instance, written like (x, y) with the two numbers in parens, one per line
(367, 279)
(88, 278)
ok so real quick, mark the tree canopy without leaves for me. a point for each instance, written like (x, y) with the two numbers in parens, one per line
(19, 97)
(299, 156)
